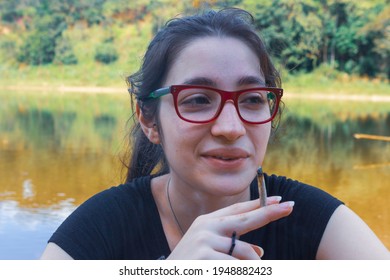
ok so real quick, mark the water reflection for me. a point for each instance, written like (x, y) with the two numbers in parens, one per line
(23, 230)
(104, 126)
(54, 158)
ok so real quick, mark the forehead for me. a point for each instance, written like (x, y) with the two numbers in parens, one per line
(223, 60)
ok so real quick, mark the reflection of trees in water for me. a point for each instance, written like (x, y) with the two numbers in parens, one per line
(328, 142)
(104, 126)
(337, 135)
(38, 126)
(57, 130)
(43, 128)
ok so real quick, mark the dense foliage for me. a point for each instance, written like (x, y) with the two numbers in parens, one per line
(350, 36)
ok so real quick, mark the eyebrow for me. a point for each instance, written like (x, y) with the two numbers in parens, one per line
(200, 81)
(250, 80)
(246, 80)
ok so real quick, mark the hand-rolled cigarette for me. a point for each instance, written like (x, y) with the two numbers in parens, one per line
(262, 188)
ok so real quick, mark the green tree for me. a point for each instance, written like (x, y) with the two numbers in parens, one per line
(106, 52)
(350, 36)
(292, 30)
(39, 45)
(359, 29)
(374, 46)
(64, 53)
(9, 11)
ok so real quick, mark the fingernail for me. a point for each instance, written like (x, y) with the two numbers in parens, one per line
(275, 198)
(259, 251)
(287, 204)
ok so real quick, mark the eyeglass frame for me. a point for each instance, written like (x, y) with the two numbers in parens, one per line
(225, 96)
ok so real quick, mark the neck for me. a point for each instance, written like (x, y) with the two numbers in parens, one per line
(187, 203)
(171, 207)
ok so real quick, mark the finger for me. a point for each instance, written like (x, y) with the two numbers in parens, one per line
(243, 207)
(273, 200)
(245, 251)
(259, 251)
(221, 256)
(248, 221)
(237, 208)
(241, 249)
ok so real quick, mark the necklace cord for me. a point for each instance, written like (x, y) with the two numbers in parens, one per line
(170, 206)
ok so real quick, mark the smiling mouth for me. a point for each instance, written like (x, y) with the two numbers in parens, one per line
(226, 157)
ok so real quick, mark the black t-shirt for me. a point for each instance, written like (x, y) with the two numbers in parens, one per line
(123, 223)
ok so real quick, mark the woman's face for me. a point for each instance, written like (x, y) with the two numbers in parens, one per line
(221, 157)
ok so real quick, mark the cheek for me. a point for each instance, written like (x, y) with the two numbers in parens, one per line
(181, 145)
(260, 139)
(176, 134)
(167, 121)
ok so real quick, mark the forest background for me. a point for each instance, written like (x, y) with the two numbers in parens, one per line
(99, 42)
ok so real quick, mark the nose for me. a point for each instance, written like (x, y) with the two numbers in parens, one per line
(228, 124)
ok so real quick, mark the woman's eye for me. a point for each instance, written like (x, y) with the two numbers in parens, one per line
(196, 100)
(253, 99)
(256, 100)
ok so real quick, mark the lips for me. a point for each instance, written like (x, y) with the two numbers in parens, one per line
(225, 157)
(226, 153)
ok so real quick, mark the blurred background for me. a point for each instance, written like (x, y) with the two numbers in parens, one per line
(64, 106)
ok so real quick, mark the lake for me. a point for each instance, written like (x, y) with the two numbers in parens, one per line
(57, 149)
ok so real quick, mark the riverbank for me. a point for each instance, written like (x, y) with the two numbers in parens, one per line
(99, 78)
(122, 90)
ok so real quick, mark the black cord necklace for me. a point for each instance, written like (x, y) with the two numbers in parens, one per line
(170, 205)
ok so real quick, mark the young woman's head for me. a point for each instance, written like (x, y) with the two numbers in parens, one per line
(218, 49)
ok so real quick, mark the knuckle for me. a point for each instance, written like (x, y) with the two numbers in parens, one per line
(236, 207)
(242, 218)
(202, 219)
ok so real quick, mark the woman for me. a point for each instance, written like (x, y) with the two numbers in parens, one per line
(207, 94)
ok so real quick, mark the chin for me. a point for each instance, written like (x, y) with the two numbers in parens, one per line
(227, 186)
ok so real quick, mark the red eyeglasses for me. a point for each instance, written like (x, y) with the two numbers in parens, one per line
(201, 104)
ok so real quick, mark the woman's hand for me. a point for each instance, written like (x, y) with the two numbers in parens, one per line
(210, 236)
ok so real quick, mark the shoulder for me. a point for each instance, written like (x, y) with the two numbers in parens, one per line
(137, 187)
(347, 236)
(128, 193)
(118, 203)
(95, 230)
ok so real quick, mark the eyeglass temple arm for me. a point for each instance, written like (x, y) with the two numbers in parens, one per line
(159, 92)
(156, 94)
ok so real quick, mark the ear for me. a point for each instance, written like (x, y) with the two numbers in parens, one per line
(148, 127)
